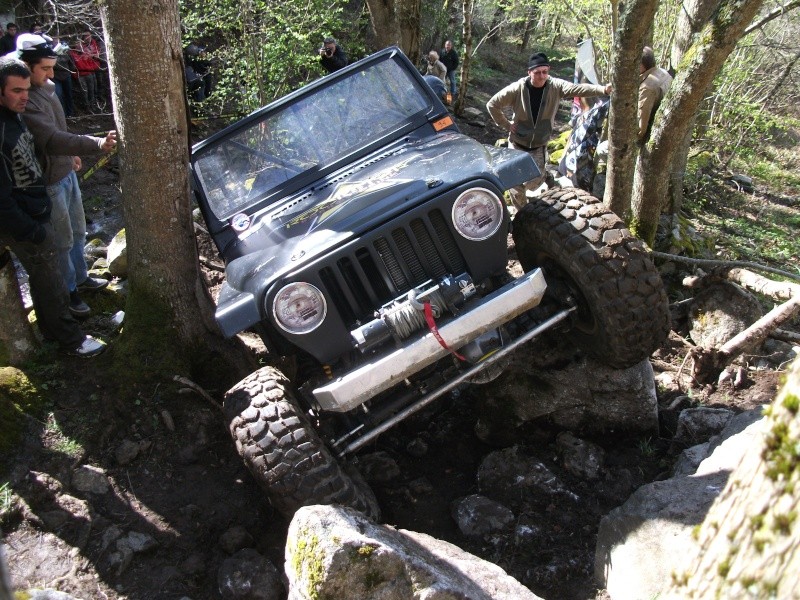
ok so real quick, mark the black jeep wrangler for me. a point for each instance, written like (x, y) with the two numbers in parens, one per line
(367, 238)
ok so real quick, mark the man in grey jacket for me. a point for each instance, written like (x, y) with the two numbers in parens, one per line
(532, 103)
(57, 150)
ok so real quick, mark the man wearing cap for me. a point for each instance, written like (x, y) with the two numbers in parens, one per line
(57, 150)
(25, 217)
(533, 102)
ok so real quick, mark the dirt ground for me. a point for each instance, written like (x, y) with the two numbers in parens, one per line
(187, 489)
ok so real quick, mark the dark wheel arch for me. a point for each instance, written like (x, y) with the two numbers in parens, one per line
(586, 251)
(283, 451)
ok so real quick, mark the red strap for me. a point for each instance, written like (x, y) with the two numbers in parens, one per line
(435, 331)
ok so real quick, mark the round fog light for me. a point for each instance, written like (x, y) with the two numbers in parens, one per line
(477, 214)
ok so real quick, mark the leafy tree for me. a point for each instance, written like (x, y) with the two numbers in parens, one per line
(260, 50)
(397, 23)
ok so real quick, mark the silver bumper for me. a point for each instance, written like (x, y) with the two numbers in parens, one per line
(384, 371)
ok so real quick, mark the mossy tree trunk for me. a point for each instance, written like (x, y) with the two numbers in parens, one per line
(169, 324)
(629, 39)
(17, 341)
(695, 74)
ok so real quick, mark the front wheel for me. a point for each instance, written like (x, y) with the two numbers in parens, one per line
(283, 451)
(586, 252)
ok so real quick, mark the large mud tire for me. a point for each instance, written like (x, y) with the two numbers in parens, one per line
(586, 251)
(283, 451)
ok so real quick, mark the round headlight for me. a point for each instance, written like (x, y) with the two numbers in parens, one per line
(477, 214)
(299, 308)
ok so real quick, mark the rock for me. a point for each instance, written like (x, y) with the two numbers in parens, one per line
(510, 477)
(643, 542)
(378, 467)
(88, 478)
(128, 450)
(235, 538)
(478, 515)
(580, 395)
(126, 547)
(474, 116)
(336, 552)
(697, 425)
(417, 447)
(117, 256)
(579, 457)
(194, 564)
(249, 576)
(719, 312)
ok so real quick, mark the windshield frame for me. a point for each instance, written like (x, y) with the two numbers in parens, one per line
(425, 108)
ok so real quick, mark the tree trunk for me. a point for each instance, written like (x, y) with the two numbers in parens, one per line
(466, 58)
(396, 23)
(695, 74)
(169, 314)
(17, 340)
(634, 26)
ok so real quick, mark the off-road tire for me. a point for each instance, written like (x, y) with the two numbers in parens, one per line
(283, 451)
(586, 251)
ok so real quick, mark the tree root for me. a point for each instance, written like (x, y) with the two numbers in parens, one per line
(193, 387)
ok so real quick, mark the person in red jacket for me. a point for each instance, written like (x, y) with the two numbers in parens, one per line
(86, 66)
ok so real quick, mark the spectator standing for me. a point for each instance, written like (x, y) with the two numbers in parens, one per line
(8, 43)
(198, 72)
(653, 86)
(85, 69)
(57, 150)
(532, 103)
(25, 217)
(89, 45)
(435, 66)
(331, 55)
(62, 76)
(449, 58)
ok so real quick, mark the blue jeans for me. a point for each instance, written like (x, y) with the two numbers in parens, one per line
(451, 77)
(64, 93)
(69, 223)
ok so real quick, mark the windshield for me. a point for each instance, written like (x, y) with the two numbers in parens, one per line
(310, 133)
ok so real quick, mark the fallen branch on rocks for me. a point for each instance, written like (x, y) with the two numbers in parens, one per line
(790, 337)
(707, 363)
(724, 264)
(191, 386)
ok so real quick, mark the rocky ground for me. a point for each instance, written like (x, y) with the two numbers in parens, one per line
(150, 501)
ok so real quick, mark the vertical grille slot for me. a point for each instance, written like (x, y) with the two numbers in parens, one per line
(428, 248)
(392, 265)
(409, 257)
(452, 254)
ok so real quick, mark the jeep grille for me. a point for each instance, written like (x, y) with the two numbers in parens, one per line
(382, 268)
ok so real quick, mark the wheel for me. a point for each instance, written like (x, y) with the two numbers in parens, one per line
(283, 451)
(585, 251)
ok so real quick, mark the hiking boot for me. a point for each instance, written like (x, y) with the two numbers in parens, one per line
(78, 307)
(91, 284)
(89, 347)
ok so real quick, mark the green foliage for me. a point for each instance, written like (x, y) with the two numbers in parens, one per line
(259, 50)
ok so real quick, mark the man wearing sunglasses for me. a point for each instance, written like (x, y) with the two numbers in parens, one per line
(527, 109)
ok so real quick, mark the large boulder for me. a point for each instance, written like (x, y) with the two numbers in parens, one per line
(336, 552)
(728, 530)
(573, 393)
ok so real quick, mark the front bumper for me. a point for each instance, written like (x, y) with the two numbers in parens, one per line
(386, 370)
